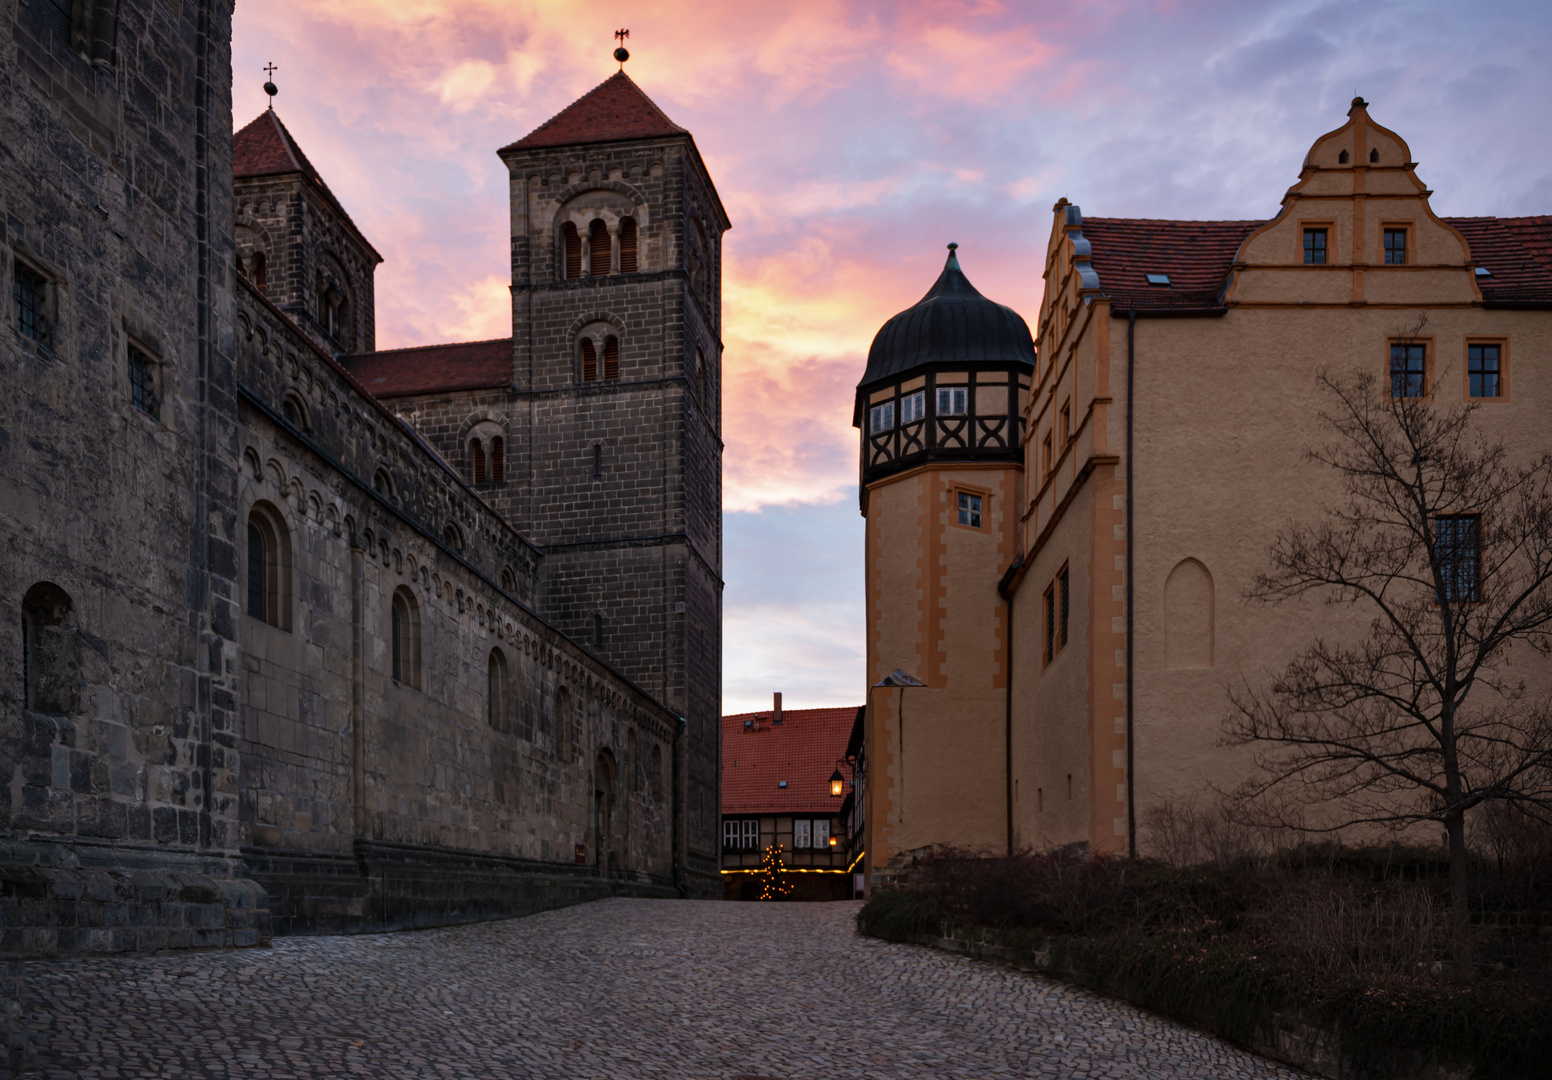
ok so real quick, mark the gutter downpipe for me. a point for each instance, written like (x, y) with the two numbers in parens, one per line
(1005, 590)
(1131, 382)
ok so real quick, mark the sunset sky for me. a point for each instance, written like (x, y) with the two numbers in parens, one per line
(850, 143)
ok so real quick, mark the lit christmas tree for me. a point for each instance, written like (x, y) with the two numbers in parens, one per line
(773, 876)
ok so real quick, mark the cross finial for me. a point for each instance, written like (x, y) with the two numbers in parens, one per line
(621, 54)
(269, 84)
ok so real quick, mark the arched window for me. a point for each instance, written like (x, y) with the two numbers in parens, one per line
(477, 457)
(269, 567)
(51, 661)
(628, 245)
(563, 724)
(382, 483)
(452, 537)
(1188, 616)
(589, 360)
(572, 245)
(508, 580)
(405, 631)
(498, 460)
(599, 253)
(496, 691)
(260, 275)
(657, 771)
(611, 357)
(295, 410)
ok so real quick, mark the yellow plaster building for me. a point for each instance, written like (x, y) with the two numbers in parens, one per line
(1163, 446)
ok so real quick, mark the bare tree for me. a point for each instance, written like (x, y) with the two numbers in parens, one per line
(1446, 545)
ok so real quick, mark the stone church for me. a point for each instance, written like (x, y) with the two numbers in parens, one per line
(309, 636)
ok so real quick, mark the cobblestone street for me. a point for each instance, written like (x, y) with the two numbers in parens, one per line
(619, 988)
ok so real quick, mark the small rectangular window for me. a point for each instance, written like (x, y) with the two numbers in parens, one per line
(1484, 370)
(1458, 549)
(913, 407)
(1062, 586)
(1157, 279)
(800, 833)
(883, 417)
(952, 400)
(1395, 246)
(730, 834)
(751, 832)
(1408, 369)
(1314, 246)
(30, 291)
(969, 510)
(142, 383)
(821, 832)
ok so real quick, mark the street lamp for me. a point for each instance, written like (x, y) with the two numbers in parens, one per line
(837, 782)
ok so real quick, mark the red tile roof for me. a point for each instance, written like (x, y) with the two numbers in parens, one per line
(1518, 251)
(802, 750)
(613, 111)
(266, 148)
(1195, 254)
(433, 369)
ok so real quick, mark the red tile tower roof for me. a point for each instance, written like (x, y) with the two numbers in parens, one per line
(433, 369)
(266, 148)
(613, 111)
(758, 755)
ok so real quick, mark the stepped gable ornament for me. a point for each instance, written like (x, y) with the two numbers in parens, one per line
(269, 84)
(621, 53)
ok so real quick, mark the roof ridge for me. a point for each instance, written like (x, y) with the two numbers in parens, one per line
(434, 345)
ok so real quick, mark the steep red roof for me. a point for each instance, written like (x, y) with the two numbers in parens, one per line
(802, 750)
(433, 369)
(1195, 254)
(613, 111)
(266, 148)
(1517, 251)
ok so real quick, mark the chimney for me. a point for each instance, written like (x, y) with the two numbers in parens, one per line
(777, 708)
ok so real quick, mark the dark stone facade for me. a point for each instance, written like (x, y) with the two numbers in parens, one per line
(184, 764)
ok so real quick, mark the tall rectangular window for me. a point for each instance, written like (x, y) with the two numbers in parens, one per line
(142, 383)
(1050, 624)
(730, 834)
(913, 407)
(751, 832)
(1062, 587)
(1045, 451)
(1066, 423)
(952, 400)
(1408, 370)
(1314, 246)
(821, 833)
(883, 417)
(1484, 371)
(1395, 246)
(1458, 547)
(970, 509)
(30, 291)
(800, 833)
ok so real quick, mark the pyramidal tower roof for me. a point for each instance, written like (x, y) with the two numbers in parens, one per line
(265, 148)
(613, 111)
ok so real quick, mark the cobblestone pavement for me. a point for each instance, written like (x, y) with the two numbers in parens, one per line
(618, 988)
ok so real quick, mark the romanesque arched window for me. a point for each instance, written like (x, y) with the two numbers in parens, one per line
(260, 274)
(498, 460)
(269, 567)
(508, 581)
(51, 661)
(611, 363)
(589, 360)
(452, 537)
(404, 629)
(496, 703)
(1188, 616)
(628, 245)
(599, 253)
(571, 245)
(477, 460)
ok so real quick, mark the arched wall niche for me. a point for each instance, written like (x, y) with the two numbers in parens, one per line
(1189, 616)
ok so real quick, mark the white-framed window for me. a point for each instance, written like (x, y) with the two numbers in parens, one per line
(952, 401)
(913, 407)
(751, 833)
(730, 833)
(821, 833)
(800, 833)
(969, 509)
(883, 417)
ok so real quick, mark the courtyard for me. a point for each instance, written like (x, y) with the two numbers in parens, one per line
(618, 988)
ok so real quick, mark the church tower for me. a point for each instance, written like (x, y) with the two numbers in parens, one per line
(940, 410)
(613, 450)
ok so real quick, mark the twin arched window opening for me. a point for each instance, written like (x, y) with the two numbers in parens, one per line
(269, 567)
(596, 366)
(488, 465)
(602, 248)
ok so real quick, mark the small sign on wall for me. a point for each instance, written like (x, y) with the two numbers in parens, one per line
(582, 853)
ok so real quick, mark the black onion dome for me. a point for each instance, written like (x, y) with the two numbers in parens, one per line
(952, 324)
